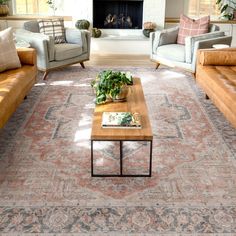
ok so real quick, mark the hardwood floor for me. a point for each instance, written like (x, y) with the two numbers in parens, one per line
(119, 60)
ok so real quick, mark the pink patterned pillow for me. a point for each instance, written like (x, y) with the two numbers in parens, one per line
(191, 27)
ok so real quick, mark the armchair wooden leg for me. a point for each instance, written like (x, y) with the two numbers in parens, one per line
(82, 65)
(45, 74)
(157, 65)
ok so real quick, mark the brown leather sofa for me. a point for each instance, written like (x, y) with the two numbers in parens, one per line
(216, 75)
(15, 84)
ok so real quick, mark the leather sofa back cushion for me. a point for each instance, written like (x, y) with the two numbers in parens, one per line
(221, 57)
(8, 54)
(191, 27)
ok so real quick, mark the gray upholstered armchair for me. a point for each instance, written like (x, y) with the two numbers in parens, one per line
(51, 55)
(165, 50)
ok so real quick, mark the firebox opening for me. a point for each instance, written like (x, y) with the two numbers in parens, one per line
(118, 14)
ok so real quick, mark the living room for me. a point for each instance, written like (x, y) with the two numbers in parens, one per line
(118, 117)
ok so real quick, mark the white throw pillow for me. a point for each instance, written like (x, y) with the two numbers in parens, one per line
(8, 55)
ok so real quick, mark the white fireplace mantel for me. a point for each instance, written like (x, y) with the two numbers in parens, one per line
(153, 10)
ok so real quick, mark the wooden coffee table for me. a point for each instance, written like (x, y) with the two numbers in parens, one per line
(135, 103)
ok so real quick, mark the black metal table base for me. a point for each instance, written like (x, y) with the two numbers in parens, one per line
(121, 161)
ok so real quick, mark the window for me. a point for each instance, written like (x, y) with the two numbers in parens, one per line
(201, 7)
(34, 7)
(40, 7)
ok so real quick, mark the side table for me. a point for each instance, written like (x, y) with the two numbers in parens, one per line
(220, 46)
(22, 44)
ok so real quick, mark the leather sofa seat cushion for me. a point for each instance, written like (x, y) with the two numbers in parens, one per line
(175, 52)
(229, 75)
(14, 85)
(67, 51)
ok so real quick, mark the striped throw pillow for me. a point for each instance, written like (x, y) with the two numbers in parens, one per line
(54, 28)
(191, 27)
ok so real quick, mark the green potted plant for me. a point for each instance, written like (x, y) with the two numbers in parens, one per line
(4, 10)
(82, 24)
(96, 33)
(227, 8)
(148, 27)
(111, 85)
(52, 5)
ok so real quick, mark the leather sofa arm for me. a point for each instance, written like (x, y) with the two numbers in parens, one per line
(27, 56)
(217, 57)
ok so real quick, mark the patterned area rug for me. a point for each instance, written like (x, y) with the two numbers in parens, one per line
(45, 180)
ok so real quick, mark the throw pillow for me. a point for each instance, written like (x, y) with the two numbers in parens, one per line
(191, 27)
(54, 28)
(8, 55)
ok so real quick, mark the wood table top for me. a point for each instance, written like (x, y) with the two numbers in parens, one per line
(135, 102)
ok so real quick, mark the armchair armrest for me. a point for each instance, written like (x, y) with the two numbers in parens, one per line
(27, 56)
(80, 37)
(217, 57)
(43, 44)
(191, 40)
(166, 36)
(208, 43)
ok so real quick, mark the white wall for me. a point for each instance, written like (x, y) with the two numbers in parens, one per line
(154, 10)
(81, 9)
(174, 8)
(132, 41)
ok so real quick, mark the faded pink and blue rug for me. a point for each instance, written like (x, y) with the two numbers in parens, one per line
(45, 180)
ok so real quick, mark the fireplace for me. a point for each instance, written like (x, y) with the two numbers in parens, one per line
(118, 14)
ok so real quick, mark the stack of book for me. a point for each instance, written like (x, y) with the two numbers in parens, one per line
(121, 120)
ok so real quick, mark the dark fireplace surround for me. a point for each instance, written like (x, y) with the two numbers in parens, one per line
(118, 14)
